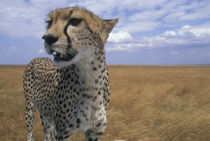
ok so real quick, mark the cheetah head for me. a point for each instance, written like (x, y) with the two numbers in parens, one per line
(74, 33)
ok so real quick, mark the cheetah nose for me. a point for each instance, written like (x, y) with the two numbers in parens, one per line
(50, 38)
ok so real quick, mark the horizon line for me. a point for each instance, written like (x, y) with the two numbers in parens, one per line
(128, 65)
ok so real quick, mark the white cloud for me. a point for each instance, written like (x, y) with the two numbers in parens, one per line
(103, 7)
(186, 27)
(186, 36)
(170, 33)
(198, 31)
(124, 46)
(117, 48)
(149, 15)
(139, 26)
(41, 51)
(119, 37)
(183, 11)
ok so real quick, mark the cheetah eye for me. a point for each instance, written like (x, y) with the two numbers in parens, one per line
(49, 23)
(75, 21)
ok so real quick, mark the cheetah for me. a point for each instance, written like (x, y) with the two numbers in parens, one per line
(71, 91)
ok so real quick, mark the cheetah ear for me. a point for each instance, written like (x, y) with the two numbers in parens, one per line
(109, 24)
(107, 28)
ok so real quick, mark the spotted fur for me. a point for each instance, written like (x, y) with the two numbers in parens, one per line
(71, 96)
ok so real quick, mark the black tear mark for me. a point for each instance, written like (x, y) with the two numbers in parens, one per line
(67, 36)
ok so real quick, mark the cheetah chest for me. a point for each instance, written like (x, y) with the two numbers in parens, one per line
(79, 103)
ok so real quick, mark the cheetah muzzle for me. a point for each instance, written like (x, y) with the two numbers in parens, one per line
(63, 57)
(69, 54)
(71, 91)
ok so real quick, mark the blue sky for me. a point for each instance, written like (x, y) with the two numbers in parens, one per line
(159, 32)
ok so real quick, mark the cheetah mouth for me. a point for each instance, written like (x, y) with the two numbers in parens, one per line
(63, 57)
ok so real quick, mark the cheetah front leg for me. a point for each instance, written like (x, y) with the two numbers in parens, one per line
(98, 127)
(48, 128)
(92, 135)
(29, 116)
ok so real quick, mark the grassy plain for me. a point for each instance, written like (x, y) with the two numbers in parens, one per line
(148, 103)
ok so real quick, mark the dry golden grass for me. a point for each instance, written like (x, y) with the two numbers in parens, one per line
(165, 103)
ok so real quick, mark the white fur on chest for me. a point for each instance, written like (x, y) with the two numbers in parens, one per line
(91, 112)
(93, 116)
